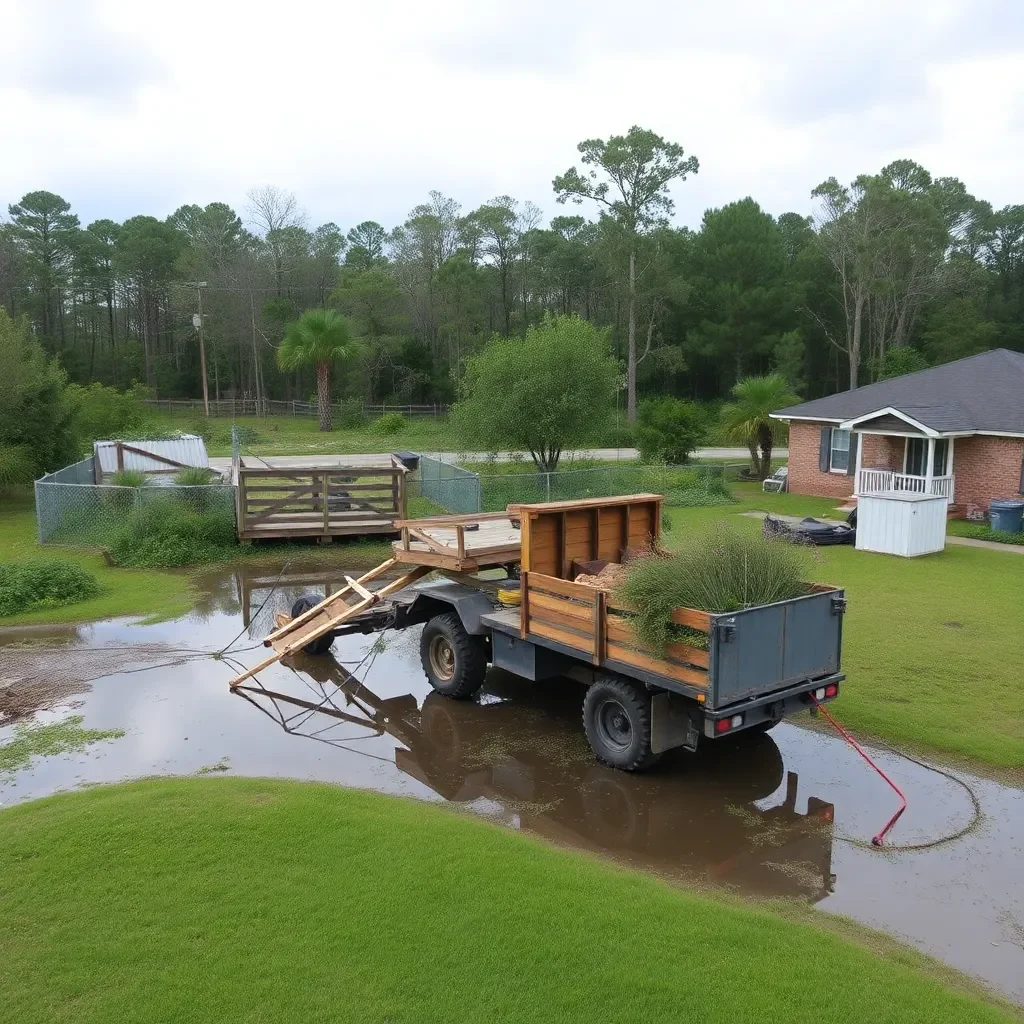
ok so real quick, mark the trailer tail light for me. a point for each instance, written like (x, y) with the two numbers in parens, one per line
(832, 690)
(725, 724)
(819, 694)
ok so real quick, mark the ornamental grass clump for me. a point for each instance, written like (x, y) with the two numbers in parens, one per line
(723, 571)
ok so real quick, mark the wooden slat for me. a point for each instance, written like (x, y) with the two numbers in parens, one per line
(570, 506)
(600, 629)
(557, 617)
(680, 616)
(621, 632)
(581, 612)
(626, 655)
(424, 538)
(560, 636)
(474, 517)
(335, 490)
(295, 472)
(553, 585)
(358, 587)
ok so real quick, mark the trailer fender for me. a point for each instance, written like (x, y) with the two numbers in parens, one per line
(422, 603)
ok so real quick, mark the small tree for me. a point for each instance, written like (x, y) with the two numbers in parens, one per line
(748, 418)
(318, 338)
(542, 393)
(668, 430)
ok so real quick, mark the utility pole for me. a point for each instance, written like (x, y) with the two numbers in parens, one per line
(197, 322)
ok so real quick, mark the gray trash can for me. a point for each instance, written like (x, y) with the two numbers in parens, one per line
(1006, 516)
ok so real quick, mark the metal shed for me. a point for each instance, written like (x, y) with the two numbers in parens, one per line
(150, 457)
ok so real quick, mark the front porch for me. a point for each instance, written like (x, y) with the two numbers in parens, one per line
(895, 455)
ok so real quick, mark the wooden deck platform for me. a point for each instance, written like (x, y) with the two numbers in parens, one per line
(284, 497)
(459, 543)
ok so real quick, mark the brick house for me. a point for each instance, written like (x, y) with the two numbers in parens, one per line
(955, 429)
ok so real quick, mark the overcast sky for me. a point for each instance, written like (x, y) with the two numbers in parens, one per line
(361, 108)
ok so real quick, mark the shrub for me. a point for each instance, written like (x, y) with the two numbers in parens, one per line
(719, 572)
(102, 413)
(352, 416)
(390, 423)
(246, 435)
(128, 478)
(668, 430)
(194, 476)
(28, 586)
(168, 532)
(16, 465)
(982, 531)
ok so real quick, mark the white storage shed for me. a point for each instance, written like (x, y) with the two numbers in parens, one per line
(159, 458)
(901, 523)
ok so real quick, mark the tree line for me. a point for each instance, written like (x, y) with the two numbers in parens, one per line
(893, 271)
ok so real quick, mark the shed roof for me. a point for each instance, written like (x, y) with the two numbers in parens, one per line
(186, 450)
(978, 394)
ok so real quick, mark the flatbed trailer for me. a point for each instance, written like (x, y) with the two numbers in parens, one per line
(750, 669)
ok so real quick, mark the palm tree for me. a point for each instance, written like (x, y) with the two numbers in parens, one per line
(748, 419)
(318, 338)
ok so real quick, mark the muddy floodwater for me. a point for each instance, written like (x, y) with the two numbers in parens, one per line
(787, 815)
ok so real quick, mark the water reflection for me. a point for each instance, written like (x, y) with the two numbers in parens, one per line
(518, 752)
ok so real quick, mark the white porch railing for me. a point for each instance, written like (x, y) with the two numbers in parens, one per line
(885, 481)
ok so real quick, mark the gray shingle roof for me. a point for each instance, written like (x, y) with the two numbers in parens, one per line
(980, 393)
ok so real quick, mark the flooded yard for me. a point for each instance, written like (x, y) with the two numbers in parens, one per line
(786, 815)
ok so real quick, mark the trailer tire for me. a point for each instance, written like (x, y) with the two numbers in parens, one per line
(454, 661)
(617, 721)
(322, 644)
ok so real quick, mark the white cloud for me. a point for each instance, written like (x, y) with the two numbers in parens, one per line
(127, 107)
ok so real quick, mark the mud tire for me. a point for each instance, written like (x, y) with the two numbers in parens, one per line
(455, 662)
(617, 721)
(322, 644)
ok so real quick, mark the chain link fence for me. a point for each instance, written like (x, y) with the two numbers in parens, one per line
(72, 509)
(450, 487)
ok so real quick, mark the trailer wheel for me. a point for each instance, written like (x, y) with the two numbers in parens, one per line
(617, 721)
(454, 661)
(322, 644)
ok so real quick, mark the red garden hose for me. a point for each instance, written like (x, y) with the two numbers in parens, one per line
(875, 840)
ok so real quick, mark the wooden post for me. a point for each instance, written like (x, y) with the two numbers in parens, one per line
(460, 540)
(120, 454)
(595, 534)
(600, 626)
(324, 495)
(524, 603)
(563, 545)
(625, 531)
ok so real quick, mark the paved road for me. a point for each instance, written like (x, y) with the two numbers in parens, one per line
(721, 454)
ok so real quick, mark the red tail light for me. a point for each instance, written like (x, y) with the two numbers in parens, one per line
(722, 725)
(832, 689)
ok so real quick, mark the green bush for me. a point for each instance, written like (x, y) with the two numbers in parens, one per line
(194, 476)
(668, 430)
(128, 478)
(28, 586)
(16, 466)
(351, 416)
(981, 531)
(391, 423)
(171, 530)
(103, 413)
(723, 571)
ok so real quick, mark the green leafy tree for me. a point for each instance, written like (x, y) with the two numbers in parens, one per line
(542, 393)
(668, 430)
(897, 362)
(748, 418)
(319, 338)
(37, 430)
(628, 177)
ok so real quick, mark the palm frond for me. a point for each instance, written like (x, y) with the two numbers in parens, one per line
(318, 336)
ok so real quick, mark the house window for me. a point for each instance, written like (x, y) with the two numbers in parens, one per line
(915, 461)
(839, 457)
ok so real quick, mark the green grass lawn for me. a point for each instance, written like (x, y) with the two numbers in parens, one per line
(299, 435)
(252, 900)
(123, 591)
(932, 645)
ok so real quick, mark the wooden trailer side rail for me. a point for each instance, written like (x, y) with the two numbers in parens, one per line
(587, 620)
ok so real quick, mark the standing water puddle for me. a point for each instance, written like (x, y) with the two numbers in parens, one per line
(785, 815)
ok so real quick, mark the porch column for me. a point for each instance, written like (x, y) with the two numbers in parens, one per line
(860, 463)
(949, 470)
(929, 470)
